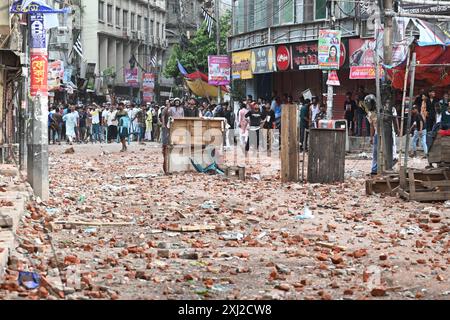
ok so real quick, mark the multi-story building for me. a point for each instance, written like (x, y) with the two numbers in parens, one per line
(184, 17)
(114, 31)
(11, 88)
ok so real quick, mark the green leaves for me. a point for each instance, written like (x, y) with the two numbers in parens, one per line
(195, 56)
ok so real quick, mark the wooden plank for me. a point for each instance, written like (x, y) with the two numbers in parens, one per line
(326, 158)
(289, 143)
(431, 196)
(412, 183)
(435, 184)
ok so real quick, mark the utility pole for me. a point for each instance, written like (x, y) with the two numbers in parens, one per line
(380, 113)
(37, 153)
(217, 11)
(387, 103)
(24, 107)
(330, 91)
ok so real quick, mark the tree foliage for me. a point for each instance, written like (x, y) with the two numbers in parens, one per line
(194, 55)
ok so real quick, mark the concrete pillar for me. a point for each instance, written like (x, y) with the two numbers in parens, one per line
(119, 62)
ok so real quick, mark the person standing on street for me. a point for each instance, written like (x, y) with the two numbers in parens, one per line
(112, 122)
(149, 125)
(165, 136)
(123, 121)
(95, 124)
(231, 121)
(255, 118)
(418, 130)
(243, 125)
(350, 109)
(71, 121)
(268, 116)
(304, 124)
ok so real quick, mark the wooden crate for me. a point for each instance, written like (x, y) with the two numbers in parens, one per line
(425, 185)
(196, 132)
(326, 157)
(440, 150)
(195, 138)
(383, 185)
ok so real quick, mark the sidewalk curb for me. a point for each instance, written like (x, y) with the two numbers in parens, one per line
(18, 193)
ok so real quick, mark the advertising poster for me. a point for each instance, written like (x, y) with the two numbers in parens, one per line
(283, 58)
(305, 56)
(38, 33)
(263, 60)
(55, 70)
(362, 58)
(39, 74)
(219, 70)
(240, 65)
(329, 50)
(131, 77)
(148, 87)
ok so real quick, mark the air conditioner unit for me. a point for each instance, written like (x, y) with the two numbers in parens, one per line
(134, 35)
(140, 35)
(367, 29)
(63, 39)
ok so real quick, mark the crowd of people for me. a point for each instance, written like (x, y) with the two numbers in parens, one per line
(255, 124)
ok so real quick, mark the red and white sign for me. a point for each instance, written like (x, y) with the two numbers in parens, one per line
(333, 79)
(39, 74)
(148, 86)
(283, 58)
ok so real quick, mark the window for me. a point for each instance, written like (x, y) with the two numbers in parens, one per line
(101, 10)
(133, 21)
(125, 19)
(118, 17)
(146, 26)
(260, 14)
(276, 12)
(163, 31)
(109, 13)
(157, 30)
(139, 23)
(251, 15)
(299, 12)
(308, 10)
(151, 28)
(287, 11)
(320, 9)
(239, 16)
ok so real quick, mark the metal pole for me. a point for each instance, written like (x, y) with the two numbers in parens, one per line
(217, 10)
(24, 106)
(388, 139)
(37, 167)
(402, 125)
(380, 159)
(411, 94)
(330, 91)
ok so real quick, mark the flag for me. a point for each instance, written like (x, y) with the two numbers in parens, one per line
(154, 61)
(181, 68)
(209, 21)
(78, 47)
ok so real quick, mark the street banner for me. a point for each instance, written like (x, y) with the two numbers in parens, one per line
(219, 70)
(329, 50)
(148, 87)
(305, 56)
(362, 58)
(37, 31)
(39, 74)
(240, 65)
(68, 74)
(131, 77)
(55, 70)
(263, 60)
(333, 79)
(283, 58)
(36, 6)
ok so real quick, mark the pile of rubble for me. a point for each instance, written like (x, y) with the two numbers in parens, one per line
(117, 228)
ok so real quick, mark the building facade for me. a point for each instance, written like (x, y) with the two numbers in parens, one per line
(115, 31)
(263, 26)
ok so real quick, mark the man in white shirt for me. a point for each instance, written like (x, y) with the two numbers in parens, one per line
(112, 124)
(77, 125)
(104, 128)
